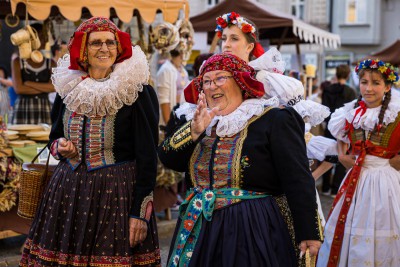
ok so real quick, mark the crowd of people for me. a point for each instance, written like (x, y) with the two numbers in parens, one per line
(238, 136)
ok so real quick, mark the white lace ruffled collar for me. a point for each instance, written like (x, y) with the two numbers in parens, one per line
(370, 118)
(234, 122)
(100, 98)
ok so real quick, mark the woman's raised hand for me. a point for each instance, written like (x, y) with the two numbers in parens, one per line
(202, 117)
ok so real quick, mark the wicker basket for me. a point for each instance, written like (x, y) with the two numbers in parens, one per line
(33, 179)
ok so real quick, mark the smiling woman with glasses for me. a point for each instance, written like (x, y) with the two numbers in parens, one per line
(219, 81)
(105, 133)
(111, 44)
(243, 158)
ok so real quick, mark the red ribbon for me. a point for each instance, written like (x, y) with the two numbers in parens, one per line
(258, 50)
(362, 109)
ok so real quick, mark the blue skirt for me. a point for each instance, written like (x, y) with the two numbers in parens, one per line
(249, 233)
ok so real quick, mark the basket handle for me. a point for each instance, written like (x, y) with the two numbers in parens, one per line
(40, 152)
(46, 169)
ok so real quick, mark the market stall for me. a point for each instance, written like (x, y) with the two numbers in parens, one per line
(278, 27)
(75, 10)
(389, 54)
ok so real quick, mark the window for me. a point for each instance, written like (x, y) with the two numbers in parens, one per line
(356, 11)
(298, 8)
(211, 3)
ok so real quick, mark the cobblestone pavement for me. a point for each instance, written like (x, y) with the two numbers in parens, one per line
(10, 247)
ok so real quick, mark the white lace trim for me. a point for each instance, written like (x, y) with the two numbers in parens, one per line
(312, 112)
(95, 98)
(234, 122)
(367, 121)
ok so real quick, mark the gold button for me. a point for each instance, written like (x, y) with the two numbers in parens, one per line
(215, 168)
(216, 152)
(215, 159)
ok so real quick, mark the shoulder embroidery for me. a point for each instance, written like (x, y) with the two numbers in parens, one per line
(181, 137)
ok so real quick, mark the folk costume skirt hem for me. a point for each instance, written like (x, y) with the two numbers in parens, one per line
(83, 221)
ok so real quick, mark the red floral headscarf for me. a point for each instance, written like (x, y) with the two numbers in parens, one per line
(242, 73)
(78, 43)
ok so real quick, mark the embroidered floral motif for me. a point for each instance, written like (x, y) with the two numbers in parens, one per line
(200, 203)
(99, 139)
(244, 162)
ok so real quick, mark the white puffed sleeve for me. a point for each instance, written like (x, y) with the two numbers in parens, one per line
(319, 147)
(337, 122)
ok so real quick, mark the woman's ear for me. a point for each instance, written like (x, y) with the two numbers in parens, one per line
(250, 48)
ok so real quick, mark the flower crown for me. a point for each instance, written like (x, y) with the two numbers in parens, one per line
(387, 70)
(234, 18)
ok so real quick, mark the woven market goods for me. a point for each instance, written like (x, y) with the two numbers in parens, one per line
(16, 143)
(33, 179)
(25, 127)
(9, 132)
(38, 134)
(11, 135)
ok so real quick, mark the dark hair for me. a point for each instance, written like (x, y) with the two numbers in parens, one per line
(4, 71)
(361, 74)
(342, 71)
(38, 27)
(249, 37)
(324, 85)
(41, 33)
(174, 53)
(198, 61)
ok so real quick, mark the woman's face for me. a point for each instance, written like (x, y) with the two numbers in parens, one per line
(103, 57)
(227, 96)
(373, 88)
(234, 42)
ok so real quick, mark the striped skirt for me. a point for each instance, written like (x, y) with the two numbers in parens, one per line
(32, 109)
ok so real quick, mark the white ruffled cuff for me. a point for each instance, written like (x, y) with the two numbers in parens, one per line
(319, 147)
(312, 112)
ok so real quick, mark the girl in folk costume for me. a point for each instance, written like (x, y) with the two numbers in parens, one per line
(239, 36)
(363, 227)
(97, 208)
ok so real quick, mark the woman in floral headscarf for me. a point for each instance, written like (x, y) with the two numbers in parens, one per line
(232, 146)
(97, 209)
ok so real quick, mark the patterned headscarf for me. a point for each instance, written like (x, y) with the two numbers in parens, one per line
(242, 73)
(78, 43)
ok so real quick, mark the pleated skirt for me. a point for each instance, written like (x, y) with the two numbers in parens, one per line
(372, 229)
(250, 233)
(83, 221)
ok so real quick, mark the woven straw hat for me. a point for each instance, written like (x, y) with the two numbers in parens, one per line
(37, 56)
(19, 37)
(34, 37)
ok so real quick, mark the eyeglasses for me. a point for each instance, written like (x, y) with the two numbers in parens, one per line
(219, 81)
(111, 44)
